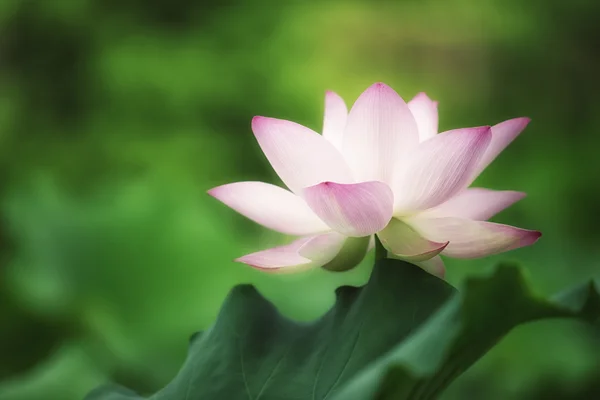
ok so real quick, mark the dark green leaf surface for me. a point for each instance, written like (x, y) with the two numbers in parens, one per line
(462, 332)
(402, 336)
(252, 352)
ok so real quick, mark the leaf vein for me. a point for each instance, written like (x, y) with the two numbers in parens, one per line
(244, 371)
(345, 364)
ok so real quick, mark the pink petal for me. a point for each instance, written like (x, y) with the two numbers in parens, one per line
(438, 168)
(406, 243)
(380, 128)
(300, 156)
(473, 239)
(502, 135)
(475, 203)
(270, 206)
(425, 112)
(336, 114)
(300, 255)
(356, 210)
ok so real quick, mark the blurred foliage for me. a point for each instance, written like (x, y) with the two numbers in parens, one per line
(116, 116)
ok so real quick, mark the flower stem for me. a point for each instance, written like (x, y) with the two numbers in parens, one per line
(380, 251)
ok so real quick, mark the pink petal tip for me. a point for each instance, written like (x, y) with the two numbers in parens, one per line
(530, 238)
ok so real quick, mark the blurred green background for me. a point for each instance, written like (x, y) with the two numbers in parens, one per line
(116, 116)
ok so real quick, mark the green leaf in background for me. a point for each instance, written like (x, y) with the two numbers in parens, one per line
(382, 341)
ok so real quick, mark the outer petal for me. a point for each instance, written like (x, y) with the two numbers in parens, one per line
(356, 210)
(434, 266)
(502, 135)
(425, 112)
(438, 168)
(405, 243)
(300, 156)
(380, 127)
(336, 114)
(270, 206)
(473, 239)
(475, 203)
(300, 255)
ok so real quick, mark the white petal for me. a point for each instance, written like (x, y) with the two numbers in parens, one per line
(300, 255)
(438, 169)
(406, 243)
(380, 128)
(356, 210)
(301, 157)
(425, 112)
(475, 203)
(434, 266)
(473, 239)
(336, 114)
(502, 135)
(371, 243)
(270, 206)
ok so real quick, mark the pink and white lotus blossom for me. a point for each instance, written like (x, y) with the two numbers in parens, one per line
(381, 169)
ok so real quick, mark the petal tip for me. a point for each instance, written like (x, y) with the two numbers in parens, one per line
(523, 120)
(327, 184)
(519, 195)
(244, 260)
(424, 96)
(248, 261)
(438, 248)
(530, 238)
(516, 125)
(258, 121)
(381, 87)
(214, 192)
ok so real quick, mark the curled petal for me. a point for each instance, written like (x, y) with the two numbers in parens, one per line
(300, 255)
(355, 210)
(425, 112)
(438, 169)
(502, 135)
(406, 243)
(301, 157)
(380, 127)
(270, 206)
(334, 123)
(473, 239)
(350, 255)
(476, 203)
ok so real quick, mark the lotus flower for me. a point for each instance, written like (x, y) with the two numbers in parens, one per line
(381, 169)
